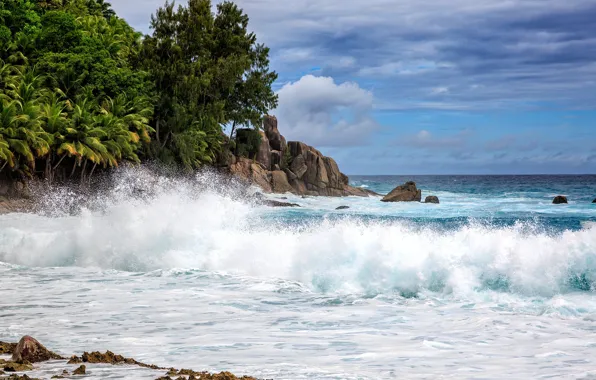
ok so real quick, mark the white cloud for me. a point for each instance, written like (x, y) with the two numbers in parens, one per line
(320, 112)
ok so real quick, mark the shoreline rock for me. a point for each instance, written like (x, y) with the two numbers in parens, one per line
(560, 199)
(87, 358)
(432, 199)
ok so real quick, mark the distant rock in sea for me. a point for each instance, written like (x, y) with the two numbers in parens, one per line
(594, 201)
(432, 199)
(407, 192)
(560, 199)
(343, 208)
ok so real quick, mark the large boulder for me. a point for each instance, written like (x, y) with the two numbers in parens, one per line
(264, 153)
(279, 182)
(560, 199)
(249, 171)
(407, 192)
(276, 140)
(30, 350)
(432, 199)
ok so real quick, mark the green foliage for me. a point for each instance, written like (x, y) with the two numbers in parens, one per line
(208, 68)
(79, 86)
(247, 142)
(59, 32)
(286, 160)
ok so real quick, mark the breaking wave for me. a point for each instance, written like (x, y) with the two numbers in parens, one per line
(146, 222)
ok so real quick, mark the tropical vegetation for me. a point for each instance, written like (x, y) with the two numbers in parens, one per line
(81, 91)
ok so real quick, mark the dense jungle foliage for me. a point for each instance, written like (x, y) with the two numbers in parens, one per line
(81, 90)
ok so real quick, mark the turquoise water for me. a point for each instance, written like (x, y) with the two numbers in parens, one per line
(495, 282)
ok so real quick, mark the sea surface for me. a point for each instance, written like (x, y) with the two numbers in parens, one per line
(495, 282)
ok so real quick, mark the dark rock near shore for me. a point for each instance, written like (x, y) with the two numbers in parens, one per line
(432, 199)
(29, 349)
(560, 199)
(594, 201)
(15, 367)
(107, 358)
(343, 208)
(407, 192)
(80, 371)
(272, 203)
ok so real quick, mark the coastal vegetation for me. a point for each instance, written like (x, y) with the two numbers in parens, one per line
(81, 91)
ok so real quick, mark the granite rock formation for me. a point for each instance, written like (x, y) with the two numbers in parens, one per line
(293, 167)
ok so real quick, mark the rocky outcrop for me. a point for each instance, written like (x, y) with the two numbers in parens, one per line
(30, 350)
(560, 199)
(253, 172)
(407, 192)
(293, 167)
(432, 199)
(279, 182)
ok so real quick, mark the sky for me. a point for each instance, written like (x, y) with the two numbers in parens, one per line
(434, 86)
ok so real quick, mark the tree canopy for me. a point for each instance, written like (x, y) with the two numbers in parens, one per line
(80, 89)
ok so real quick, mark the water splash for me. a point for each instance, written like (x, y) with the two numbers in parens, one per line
(144, 222)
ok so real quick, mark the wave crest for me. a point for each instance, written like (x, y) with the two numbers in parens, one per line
(207, 224)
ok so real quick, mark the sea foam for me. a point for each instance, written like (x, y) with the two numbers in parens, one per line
(144, 222)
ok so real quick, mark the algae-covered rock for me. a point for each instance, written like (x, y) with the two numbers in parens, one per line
(7, 348)
(18, 377)
(9, 366)
(80, 371)
(29, 349)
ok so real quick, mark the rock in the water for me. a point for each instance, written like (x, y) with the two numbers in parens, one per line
(407, 192)
(343, 208)
(560, 199)
(272, 203)
(594, 201)
(29, 349)
(432, 199)
(80, 371)
(15, 367)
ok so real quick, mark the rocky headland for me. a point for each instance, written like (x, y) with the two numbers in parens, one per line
(277, 166)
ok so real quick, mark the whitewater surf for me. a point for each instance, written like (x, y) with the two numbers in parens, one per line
(188, 272)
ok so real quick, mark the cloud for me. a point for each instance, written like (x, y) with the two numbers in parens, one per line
(320, 112)
(490, 55)
(427, 140)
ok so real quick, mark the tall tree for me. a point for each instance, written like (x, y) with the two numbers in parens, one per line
(209, 71)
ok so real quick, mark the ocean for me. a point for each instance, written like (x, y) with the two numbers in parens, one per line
(495, 282)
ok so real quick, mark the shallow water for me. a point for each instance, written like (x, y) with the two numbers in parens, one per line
(495, 282)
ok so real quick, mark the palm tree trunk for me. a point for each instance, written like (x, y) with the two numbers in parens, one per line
(83, 171)
(157, 131)
(91, 174)
(48, 171)
(73, 168)
(59, 162)
(3, 166)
